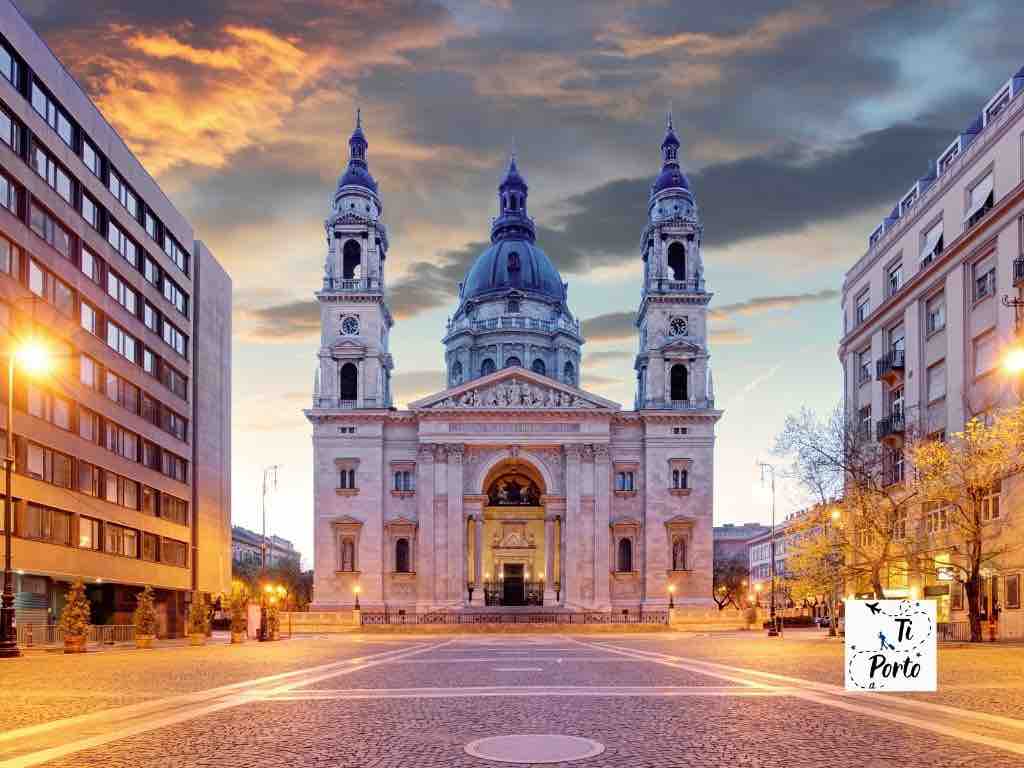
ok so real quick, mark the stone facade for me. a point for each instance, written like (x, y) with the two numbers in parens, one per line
(513, 486)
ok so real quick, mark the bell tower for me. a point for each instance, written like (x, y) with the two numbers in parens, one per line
(354, 368)
(673, 363)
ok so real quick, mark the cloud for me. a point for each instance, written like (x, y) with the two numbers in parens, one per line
(729, 336)
(294, 321)
(767, 303)
(612, 326)
(409, 386)
(603, 355)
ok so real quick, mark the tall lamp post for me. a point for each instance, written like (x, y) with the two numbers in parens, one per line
(836, 516)
(773, 629)
(34, 357)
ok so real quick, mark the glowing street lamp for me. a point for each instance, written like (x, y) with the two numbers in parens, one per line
(1013, 361)
(34, 357)
(671, 596)
(355, 591)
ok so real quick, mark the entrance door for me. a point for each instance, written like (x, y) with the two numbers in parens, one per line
(514, 592)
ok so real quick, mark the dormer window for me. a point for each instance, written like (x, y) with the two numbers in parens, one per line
(907, 203)
(513, 306)
(949, 156)
(997, 105)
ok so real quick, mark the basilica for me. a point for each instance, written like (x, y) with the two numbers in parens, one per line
(514, 486)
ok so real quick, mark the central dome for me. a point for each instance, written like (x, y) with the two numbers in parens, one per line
(513, 264)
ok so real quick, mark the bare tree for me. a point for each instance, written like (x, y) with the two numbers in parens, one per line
(959, 480)
(730, 582)
(835, 458)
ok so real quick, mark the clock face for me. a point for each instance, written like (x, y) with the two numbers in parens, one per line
(350, 326)
(677, 326)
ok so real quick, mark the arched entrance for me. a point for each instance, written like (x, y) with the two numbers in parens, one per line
(513, 559)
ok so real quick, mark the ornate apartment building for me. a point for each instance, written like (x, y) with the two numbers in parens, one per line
(122, 452)
(924, 327)
(513, 486)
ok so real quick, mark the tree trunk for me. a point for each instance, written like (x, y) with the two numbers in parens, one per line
(876, 584)
(972, 590)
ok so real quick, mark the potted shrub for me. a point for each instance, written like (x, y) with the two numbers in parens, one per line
(199, 619)
(145, 619)
(238, 608)
(274, 620)
(75, 619)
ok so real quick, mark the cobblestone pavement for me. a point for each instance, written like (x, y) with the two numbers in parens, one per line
(652, 701)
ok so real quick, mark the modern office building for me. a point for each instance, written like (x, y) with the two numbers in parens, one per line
(924, 329)
(247, 548)
(122, 473)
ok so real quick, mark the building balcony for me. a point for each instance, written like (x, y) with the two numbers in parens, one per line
(357, 285)
(663, 285)
(1018, 270)
(680, 405)
(889, 367)
(891, 429)
(515, 323)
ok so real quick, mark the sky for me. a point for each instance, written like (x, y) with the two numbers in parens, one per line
(801, 122)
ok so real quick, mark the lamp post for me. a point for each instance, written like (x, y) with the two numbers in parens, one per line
(671, 596)
(35, 359)
(773, 629)
(355, 591)
(834, 618)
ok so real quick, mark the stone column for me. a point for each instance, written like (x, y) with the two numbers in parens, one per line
(455, 587)
(602, 516)
(573, 546)
(549, 560)
(442, 536)
(425, 511)
(474, 510)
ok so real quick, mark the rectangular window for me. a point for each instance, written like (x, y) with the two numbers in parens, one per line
(10, 257)
(176, 253)
(122, 243)
(124, 195)
(864, 366)
(121, 540)
(88, 372)
(931, 244)
(176, 296)
(985, 353)
(8, 194)
(55, 117)
(174, 381)
(937, 382)
(148, 500)
(990, 503)
(175, 467)
(151, 455)
(864, 421)
(51, 172)
(63, 298)
(625, 481)
(88, 479)
(151, 271)
(121, 292)
(10, 132)
(150, 547)
(8, 66)
(175, 510)
(88, 425)
(178, 426)
(1013, 590)
(45, 524)
(61, 412)
(48, 465)
(88, 533)
(979, 201)
(935, 313)
(863, 307)
(90, 211)
(91, 158)
(149, 222)
(37, 279)
(173, 552)
(149, 362)
(894, 279)
(175, 339)
(984, 278)
(121, 341)
(52, 231)
(90, 265)
(150, 317)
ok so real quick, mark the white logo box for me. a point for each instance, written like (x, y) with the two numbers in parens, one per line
(891, 645)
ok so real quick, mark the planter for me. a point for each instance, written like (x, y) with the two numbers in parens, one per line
(144, 641)
(197, 638)
(237, 637)
(74, 643)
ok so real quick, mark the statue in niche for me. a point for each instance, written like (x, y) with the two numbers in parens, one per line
(514, 491)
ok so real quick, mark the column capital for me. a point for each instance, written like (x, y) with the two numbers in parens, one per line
(425, 451)
(602, 452)
(572, 451)
(587, 451)
(440, 453)
(456, 452)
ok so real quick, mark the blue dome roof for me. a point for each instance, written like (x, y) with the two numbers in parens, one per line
(494, 270)
(671, 177)
(358, 175)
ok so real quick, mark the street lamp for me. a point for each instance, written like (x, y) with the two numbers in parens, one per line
(671, 596)
(35, 359)
(773, 630)
(355, 591)
(834, 618)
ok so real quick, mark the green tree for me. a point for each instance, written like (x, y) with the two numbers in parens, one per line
(730, 582)
(144, 617)
(199, 615)
(960, 479)
(77, 613)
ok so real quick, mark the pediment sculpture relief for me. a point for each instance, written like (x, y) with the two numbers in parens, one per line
(515, 394)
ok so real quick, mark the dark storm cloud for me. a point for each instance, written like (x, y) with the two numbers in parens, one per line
(292, 321)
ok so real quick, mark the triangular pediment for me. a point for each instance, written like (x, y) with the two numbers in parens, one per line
(514, 389)
(347, 348)
(684, 346)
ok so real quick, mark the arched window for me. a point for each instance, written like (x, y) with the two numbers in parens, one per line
(348, 555)
(402, 564)
(539, 367)
(349, 377)
(625, 560)
(680, 479)
(677, 261)
(513, 362)
(513, 307)
(569, 374)
(351, 260)
(347, 479)
(680, 390)
(679, 554)
(486, 367)
(456, 377)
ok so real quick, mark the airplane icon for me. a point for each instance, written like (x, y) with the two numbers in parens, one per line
(873, 607)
